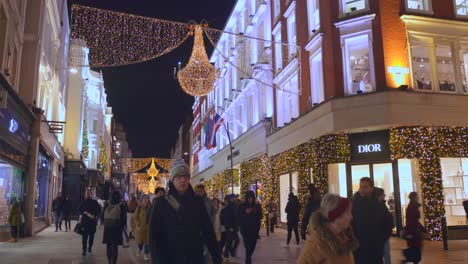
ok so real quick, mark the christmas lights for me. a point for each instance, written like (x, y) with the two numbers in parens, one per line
(102, 155)
(85, 141)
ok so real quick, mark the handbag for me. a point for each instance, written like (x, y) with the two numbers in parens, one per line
(79, 228)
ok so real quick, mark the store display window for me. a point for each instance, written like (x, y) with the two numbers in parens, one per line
(11, 187)
(41, 198)
(288, 184)
(337, 179)
(455, 184)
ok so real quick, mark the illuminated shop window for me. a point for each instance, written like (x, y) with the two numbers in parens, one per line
(351, 6)
(461, 7)
(408, 176)
(288, 184)
(337, 179)
(455, 183)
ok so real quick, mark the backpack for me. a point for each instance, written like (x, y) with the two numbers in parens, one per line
(112, 215)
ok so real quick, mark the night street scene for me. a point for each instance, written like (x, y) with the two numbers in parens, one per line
(233, 131)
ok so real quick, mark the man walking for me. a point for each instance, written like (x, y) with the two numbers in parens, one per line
(369, 224)
(57, 207)
(250, 220)
(180, 225)
(89, 211)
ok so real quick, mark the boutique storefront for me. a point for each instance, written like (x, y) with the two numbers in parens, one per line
(15, 129)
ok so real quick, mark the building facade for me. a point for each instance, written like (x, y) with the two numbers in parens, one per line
(182, 147)
(389, 105)
(120, 150)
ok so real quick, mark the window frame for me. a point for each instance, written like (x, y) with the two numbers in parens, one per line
(343, 12)
(455, 10)
(346, 64)
(313, 6)
(428, 12)
(314, 47)
(278, 53)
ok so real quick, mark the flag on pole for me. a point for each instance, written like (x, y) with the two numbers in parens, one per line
(208, 128)
(211, 127)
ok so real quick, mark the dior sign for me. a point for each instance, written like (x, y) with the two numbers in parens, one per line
(369, 148)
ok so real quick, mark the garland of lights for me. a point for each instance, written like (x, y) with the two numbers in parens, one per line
(85, 141)
(116, 39)
(428, 144)
(220, 185)
(102, 155)
(131, 165)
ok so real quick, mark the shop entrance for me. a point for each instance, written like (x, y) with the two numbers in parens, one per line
(383, 176)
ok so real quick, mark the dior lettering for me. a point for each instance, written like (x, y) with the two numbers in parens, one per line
(370, 148)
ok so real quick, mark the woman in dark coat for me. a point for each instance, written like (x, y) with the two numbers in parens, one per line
(66, 212)
(292, 210)
(414, 231)
(115, 219)
(250, 216)
(313, 203)
(89, 211)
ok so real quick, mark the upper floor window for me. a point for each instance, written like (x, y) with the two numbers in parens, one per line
(419, 5)
(351, 6)
(276, 8)
(313, 14)
(461, 7)
(278, 48)
(316, 71)
(358, 63)
(287, 101)
(436, 66)
(292, 36)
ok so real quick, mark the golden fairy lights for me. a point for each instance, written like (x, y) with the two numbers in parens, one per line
(152, 171)
(116, 39)
(199, 76)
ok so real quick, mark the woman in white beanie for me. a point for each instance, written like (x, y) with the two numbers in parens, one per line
(331, 237)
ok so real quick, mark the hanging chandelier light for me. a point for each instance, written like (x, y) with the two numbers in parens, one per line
(152, 171)
(199, 75)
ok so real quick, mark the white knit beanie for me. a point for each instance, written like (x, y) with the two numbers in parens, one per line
(179, 167)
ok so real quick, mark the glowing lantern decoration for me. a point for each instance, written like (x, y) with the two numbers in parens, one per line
(199, 76)
(152, 171)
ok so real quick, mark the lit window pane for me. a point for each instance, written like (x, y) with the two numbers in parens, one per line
(421, 65)
(464, 68)
(354, 5)
(462, 7)
(359, 71)
(445, 68)
(453, 177)
(316, 70)
(419, 5)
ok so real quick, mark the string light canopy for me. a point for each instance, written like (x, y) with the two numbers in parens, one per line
(199, 76)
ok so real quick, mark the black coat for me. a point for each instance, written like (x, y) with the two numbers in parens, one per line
(370, 227)
(229, 217)
(91, 206)
(293, 208)
(113, 234)
(67, 209)
(180, 228)
(250, 218)
(57, 205)
(311, 206)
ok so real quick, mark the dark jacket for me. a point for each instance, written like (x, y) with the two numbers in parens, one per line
(369, 224)
(179, 229)
(413, 228)
(311, 206)
(91, 206)
(250, 217)
(293, 207)
(389, 223)
(57, 205)
(67, 209)
(229, 217)
(113, 234)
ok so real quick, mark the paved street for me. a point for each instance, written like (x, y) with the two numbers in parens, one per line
(49, 247)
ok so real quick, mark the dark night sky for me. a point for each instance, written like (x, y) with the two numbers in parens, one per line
(145, 97)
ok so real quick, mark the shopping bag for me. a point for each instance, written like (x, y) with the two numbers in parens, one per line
(79, 228)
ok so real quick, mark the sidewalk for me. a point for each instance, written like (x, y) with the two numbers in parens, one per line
(49, 247)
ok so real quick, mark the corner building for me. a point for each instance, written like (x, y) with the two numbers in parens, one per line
(382, 93)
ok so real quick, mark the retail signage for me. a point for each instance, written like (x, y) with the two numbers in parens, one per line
(370, 147)
(9, 121)
(13, 125)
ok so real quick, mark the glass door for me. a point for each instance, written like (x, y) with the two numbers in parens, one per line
(357, 172)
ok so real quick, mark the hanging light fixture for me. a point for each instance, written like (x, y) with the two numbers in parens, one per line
(152, 171)
(199, 76)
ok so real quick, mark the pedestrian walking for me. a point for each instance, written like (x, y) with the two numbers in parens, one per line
(331, 239)
(132, 205)
(230, 225)
(89, 212)
(115, 218)
(272, 215)
(312, 205)
(126, 243)
(369, 224)
(389, 224)
(158, 192)
(293, 207)
(141, 222)
(14, 219)
(180, 225)
(217, 219)
(201, 192)
(250, 220)
(57, 207)
(66, 212)
(413, 231)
